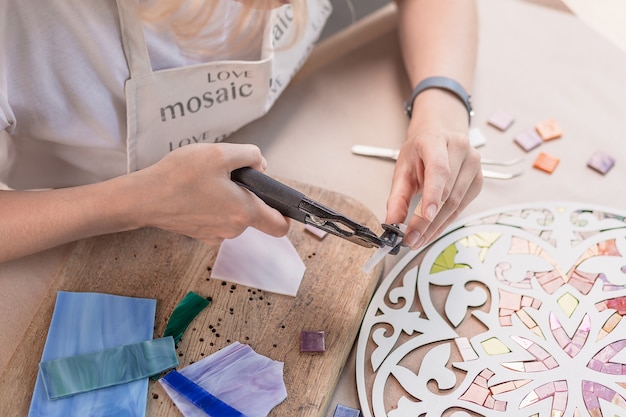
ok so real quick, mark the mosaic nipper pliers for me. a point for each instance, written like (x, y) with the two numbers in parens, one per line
(295, 205)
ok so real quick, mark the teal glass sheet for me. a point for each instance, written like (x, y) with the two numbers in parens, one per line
(105, 368)
(184, 313)
(89, 322)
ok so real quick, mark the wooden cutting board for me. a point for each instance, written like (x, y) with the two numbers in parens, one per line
(151, 263)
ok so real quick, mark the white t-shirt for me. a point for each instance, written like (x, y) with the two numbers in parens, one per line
(62, 101)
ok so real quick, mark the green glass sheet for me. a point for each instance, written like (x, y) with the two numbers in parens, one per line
(105, 368)
(183, 315)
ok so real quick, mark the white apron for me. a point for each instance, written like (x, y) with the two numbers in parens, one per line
(206, 102)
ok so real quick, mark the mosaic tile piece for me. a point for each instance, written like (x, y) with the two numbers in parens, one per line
(89, 322)
(550, 339)
(344, 411)
(528, 140)
(549, 129)
(601, 162)
(501, 120)
(546, 162)
(312, 341)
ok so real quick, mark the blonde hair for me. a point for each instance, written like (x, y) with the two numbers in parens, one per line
(189, 22)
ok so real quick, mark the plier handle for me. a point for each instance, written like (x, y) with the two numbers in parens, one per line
(295, 205)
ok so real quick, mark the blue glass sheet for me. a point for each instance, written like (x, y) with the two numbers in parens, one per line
(89, 322)
(199, 397)
(105, 368)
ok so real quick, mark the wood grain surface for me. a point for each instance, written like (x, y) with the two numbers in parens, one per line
(151, 263)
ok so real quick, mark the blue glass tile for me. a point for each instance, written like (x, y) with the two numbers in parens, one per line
(343, 411)
(88, 322)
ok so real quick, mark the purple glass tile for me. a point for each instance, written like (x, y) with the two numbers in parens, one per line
(528, 140)
(591, 401)
(601, 162)
(612, 368)
(312, 341)
(603, 392)
(343, 411)
(595, 365)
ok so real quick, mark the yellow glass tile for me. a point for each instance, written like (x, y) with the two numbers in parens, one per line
(546, 162)
(568, 303)
(612, 322)
(494, 346)
(526, 319)
(538, 332)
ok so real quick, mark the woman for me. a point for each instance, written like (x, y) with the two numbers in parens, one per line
(97, 99)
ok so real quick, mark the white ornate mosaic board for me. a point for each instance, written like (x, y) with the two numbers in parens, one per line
(514, 312)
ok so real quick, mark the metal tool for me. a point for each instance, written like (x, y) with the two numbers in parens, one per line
(294, 204)
(392, 154)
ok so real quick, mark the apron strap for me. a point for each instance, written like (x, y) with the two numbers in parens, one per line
(133, 40)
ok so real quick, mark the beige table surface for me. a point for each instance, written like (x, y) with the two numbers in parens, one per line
(535, 62)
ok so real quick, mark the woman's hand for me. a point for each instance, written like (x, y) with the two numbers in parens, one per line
(437, 161)
(190, 192)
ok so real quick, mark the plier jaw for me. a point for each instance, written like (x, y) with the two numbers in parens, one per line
(337, 224)
(295, 205)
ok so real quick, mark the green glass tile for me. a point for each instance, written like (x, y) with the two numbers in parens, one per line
(183, 315)
(82, 373)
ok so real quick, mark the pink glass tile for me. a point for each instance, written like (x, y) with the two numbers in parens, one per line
(475, 394)
(535, 367)
(560, 386)
(490, 402)
(500, 406)
(510, 300)
(503, 387)
(618, 304)
(554, 322)
(571, 350)
(506, 321)
(550, 363)
(545, 390)
(501, 120)
(560, 401)
(601, 162)
(480, 381)
(538, 352)
(487, 373)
